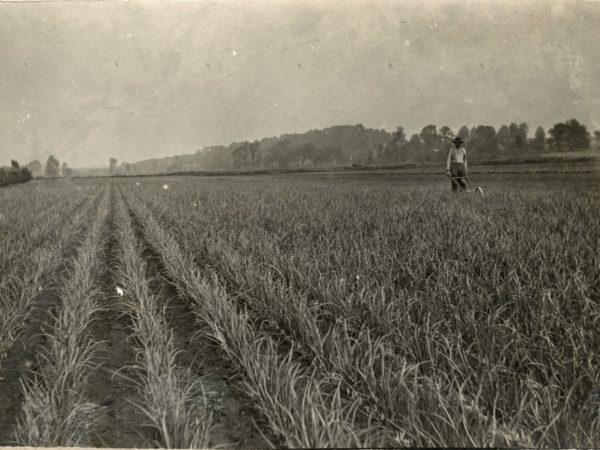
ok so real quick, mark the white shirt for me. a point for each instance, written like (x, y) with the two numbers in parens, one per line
(457, 155)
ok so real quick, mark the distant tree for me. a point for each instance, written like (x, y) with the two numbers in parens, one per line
(597, 136)
(35, 168)
(414, 147)
(446, 136)
(253, 149)
(513, 131)
(431, 140)
(518, 136)
(66, 171)
(337, 154)
(445, 131)
(24, 174)
(322, 155)
(539, 141)
(429, 136)
(399, 136)
(379, 152)
(280, 155)
(483, 141)
(391, 152)
(13, 175)
(175, 164)
(52, 168)
(473, 133)
(112, 165)
(14, 164)
(241, 155)
(569, 136)
(503, 139)
(332, 155)
(521, 137)
(126, 167)
(464, 133)
(305, 154)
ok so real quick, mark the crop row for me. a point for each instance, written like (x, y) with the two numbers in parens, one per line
(304, 407)
(170, 396)
(55, 411)
(476, 314)
(358, 315)
(28, 220)
(390, 388)
(20, 289)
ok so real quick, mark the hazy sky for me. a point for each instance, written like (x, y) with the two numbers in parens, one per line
(133, 80)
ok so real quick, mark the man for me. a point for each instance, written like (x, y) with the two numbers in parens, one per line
(456, 166)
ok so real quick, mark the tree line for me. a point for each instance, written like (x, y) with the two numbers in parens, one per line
(484, 142)
(51, 169)
(14, 174)
(348, 145)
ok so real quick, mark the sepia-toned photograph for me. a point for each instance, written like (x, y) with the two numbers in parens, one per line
(300, 224)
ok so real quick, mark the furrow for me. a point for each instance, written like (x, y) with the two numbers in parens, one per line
(55, 411)
(304, 407)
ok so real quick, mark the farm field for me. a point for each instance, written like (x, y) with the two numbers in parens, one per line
(301, 310)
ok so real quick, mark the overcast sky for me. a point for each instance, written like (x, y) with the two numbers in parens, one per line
(135, 80)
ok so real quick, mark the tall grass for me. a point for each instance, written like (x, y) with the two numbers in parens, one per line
(456, 321)
(303, 407)
(28, 219)
(38, 269)
(172, 398)
(55, 411)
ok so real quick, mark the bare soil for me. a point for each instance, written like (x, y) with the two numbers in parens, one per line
(120, 423)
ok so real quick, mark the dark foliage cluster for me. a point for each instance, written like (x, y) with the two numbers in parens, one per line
(14, 174)
(356, 146)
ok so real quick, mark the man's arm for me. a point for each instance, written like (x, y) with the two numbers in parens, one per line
(465, 159)
(448, 161)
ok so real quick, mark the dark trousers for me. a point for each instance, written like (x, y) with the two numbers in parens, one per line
(458, 170)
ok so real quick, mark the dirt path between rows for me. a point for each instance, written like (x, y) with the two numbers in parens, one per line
(120, 424)
(234, 412)
(20, 361)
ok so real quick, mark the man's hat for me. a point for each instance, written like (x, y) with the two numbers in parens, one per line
(458, 140)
